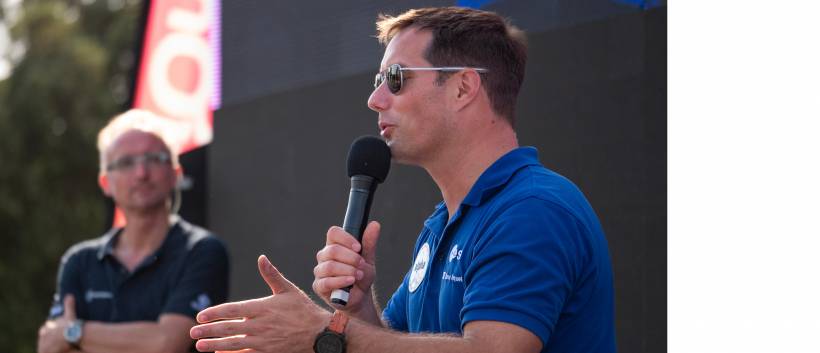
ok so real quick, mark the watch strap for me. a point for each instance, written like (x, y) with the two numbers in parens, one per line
(338, 322)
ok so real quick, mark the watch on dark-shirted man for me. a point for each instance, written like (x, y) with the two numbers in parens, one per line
(332, 339)
(73, 333)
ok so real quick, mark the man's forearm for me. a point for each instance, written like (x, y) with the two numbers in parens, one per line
(137, 337)
(363, 338)
(478, 337)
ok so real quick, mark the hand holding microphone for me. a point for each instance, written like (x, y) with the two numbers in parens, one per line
(343, 262)
(340, 263)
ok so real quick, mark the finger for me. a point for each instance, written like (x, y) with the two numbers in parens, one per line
(224, 328)
(335, 269)
(247, 350)
(233, 343)
(337, 235)
(230, 311)
(370, 238)
(339, 253)
(324, 286)
(277, 283)
(68, 307)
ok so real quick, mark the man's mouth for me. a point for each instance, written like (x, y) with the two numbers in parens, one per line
(385, 129)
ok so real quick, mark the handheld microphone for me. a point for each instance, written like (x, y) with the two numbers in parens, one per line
(368, 163)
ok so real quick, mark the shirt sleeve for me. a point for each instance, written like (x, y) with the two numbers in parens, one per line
(523, 267)
(204, 280)
(68, 282)
(395, 313)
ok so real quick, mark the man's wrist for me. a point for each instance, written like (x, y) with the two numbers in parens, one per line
(368, 311)
(73, 333)
(332, 339)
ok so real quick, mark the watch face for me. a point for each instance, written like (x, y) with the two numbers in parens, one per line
(73, 332)
(329, 342)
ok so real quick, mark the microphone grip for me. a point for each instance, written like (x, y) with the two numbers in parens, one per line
(362, 189)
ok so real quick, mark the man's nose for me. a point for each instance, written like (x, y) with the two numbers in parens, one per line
(379, 100)
(141, 169)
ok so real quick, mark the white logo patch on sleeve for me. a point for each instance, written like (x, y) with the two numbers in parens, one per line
(419, 267)
(56, 310)
(202, 302)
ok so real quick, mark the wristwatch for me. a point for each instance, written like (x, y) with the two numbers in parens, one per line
(332, 339)
(74, 333)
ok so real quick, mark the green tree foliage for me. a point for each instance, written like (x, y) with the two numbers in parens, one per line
(72, 76)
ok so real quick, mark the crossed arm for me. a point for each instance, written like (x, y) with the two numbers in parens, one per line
(167, 335)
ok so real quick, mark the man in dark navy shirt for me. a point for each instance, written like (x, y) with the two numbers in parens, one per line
(136, 288)
(514, 258)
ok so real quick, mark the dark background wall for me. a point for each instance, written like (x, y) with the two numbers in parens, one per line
(593, 102)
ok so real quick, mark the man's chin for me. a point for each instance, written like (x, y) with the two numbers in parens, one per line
(147, 205)
(398, 155)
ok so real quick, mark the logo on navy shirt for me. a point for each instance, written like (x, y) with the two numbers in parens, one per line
(91, 295)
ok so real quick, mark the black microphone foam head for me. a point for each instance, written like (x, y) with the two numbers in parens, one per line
(370, 156)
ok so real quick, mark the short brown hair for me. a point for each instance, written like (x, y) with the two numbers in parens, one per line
(469, 37)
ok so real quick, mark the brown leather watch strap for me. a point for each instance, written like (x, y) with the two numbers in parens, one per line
(338, 322)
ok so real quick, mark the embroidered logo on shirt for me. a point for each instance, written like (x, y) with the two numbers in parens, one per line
(56, 310)
(419, 267)
(91, 295)
(454, 253)
(450, 277)
(201, 303)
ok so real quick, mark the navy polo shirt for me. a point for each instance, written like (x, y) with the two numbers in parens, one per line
(188, 273)
(525, 248)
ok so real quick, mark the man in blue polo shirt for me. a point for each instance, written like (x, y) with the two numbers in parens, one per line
(513, 260)
(525, 248)
(137, 288)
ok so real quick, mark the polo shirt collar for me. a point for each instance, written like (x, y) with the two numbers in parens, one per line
(497, 175)
(110, 239)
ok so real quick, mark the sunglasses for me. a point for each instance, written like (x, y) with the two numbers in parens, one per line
(395, 79)
(149, 160)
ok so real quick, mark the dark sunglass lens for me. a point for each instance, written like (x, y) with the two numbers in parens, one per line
(394, 78)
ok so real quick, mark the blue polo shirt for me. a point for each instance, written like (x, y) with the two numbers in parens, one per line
(524, 247)
(188, 273)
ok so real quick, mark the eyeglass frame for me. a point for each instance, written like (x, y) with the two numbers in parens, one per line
(381, 76)
(127, 163)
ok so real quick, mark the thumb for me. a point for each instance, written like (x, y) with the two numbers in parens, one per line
(369, 240)
(68, 307)
(272, 276)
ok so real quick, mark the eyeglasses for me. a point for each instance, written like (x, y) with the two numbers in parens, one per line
(149, 160)
(395, 79)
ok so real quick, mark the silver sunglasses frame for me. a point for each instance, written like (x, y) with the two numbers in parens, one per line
(383, 74)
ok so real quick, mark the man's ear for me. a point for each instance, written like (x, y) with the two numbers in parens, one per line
(468, 87)
(102, 180)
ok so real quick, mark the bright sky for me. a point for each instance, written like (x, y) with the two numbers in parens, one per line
(4, 43)
(4, 39)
